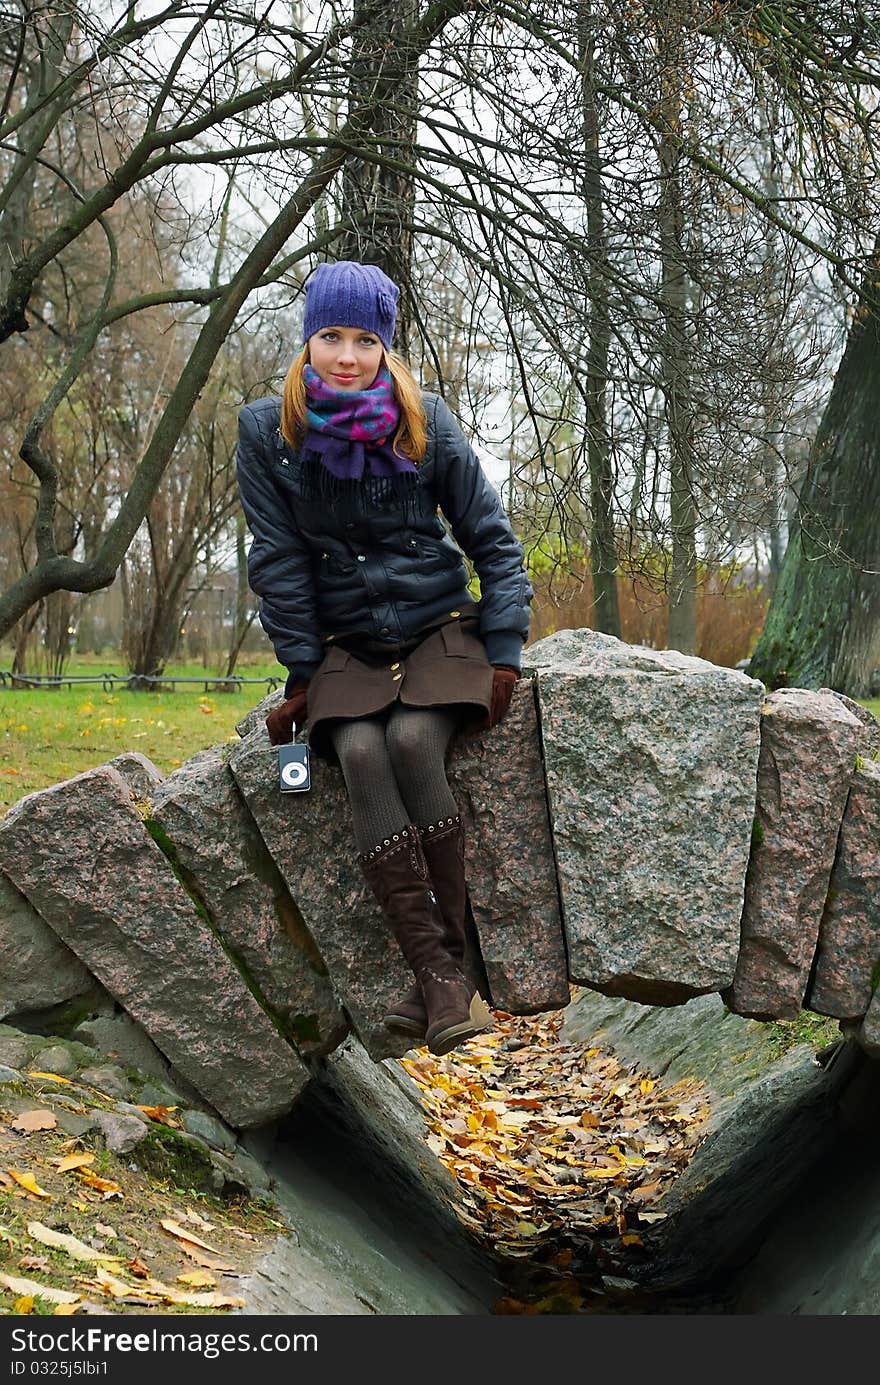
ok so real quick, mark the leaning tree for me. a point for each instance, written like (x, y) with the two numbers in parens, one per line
(823, 625)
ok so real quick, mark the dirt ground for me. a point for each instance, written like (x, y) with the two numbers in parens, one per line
(122, 1259)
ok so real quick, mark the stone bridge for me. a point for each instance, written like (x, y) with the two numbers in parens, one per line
(642, 823)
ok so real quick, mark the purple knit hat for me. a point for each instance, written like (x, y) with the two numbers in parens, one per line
(350, 294)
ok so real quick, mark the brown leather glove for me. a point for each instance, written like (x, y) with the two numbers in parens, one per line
(291, 714)
(502, 691)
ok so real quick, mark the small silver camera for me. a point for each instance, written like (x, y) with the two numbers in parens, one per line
(294, 774)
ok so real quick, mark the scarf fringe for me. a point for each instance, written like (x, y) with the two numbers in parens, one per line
(352, 496)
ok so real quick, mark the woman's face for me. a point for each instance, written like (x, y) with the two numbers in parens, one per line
(346, 358)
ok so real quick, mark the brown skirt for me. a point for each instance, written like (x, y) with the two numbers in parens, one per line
(445, 667)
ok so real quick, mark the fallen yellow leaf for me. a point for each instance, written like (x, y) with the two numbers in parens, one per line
(66, 1308)
(198, 1279)
(180, 1232)
(196, 1219)
(162, 1114)
(44, 1291)
(526, 1228)
(199, 1257)
(74, 1161)
(53, 1077)
(69, 1244)
(119, 1288)
(103, 1185)
(29, 1183)
(196, 1300)
(154, 1289)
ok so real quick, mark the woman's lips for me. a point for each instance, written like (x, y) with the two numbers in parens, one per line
(344, 377)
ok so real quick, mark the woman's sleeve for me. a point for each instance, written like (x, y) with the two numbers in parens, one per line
(279, 564)
(481, 528)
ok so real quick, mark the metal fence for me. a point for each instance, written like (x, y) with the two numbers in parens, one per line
(132, 682)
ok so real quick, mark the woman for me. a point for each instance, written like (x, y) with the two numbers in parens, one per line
(365, 599)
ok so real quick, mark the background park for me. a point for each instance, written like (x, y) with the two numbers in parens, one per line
(638, 254)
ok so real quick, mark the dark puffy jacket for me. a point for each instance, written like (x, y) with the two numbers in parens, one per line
(373, 571)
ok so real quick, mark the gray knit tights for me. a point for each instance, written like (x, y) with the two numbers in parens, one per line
(394, 770)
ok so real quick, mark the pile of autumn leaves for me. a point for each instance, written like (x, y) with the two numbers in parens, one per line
(559, 1151)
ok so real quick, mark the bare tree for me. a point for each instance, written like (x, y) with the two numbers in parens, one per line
(531, 119)
(205, 107)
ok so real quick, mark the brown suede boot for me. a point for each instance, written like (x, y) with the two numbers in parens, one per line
(397, 873)
(443, 845)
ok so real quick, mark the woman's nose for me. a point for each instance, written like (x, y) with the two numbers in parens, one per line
(345, 352)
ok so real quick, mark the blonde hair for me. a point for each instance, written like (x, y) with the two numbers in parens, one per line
(411, 438)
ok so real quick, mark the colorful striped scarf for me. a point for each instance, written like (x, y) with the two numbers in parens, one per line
(350, 432)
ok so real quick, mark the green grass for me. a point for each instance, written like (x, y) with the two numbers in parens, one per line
(48, 735)
(809, 1028)
(112, 661)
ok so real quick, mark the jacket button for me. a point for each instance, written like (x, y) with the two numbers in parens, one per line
(394, 666)
(385, 630)
(455, 613)
(396, 676)
(362, 557)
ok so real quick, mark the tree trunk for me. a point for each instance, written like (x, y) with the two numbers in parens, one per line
(380, 200)
(603, 548)
(151, 642)
(42, 75)
(59, 612)
(823, 625)
(773, 469)
(24, 632)
(675, 365)
(245, 611)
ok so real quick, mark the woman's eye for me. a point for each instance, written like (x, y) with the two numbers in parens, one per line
(368, 341)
